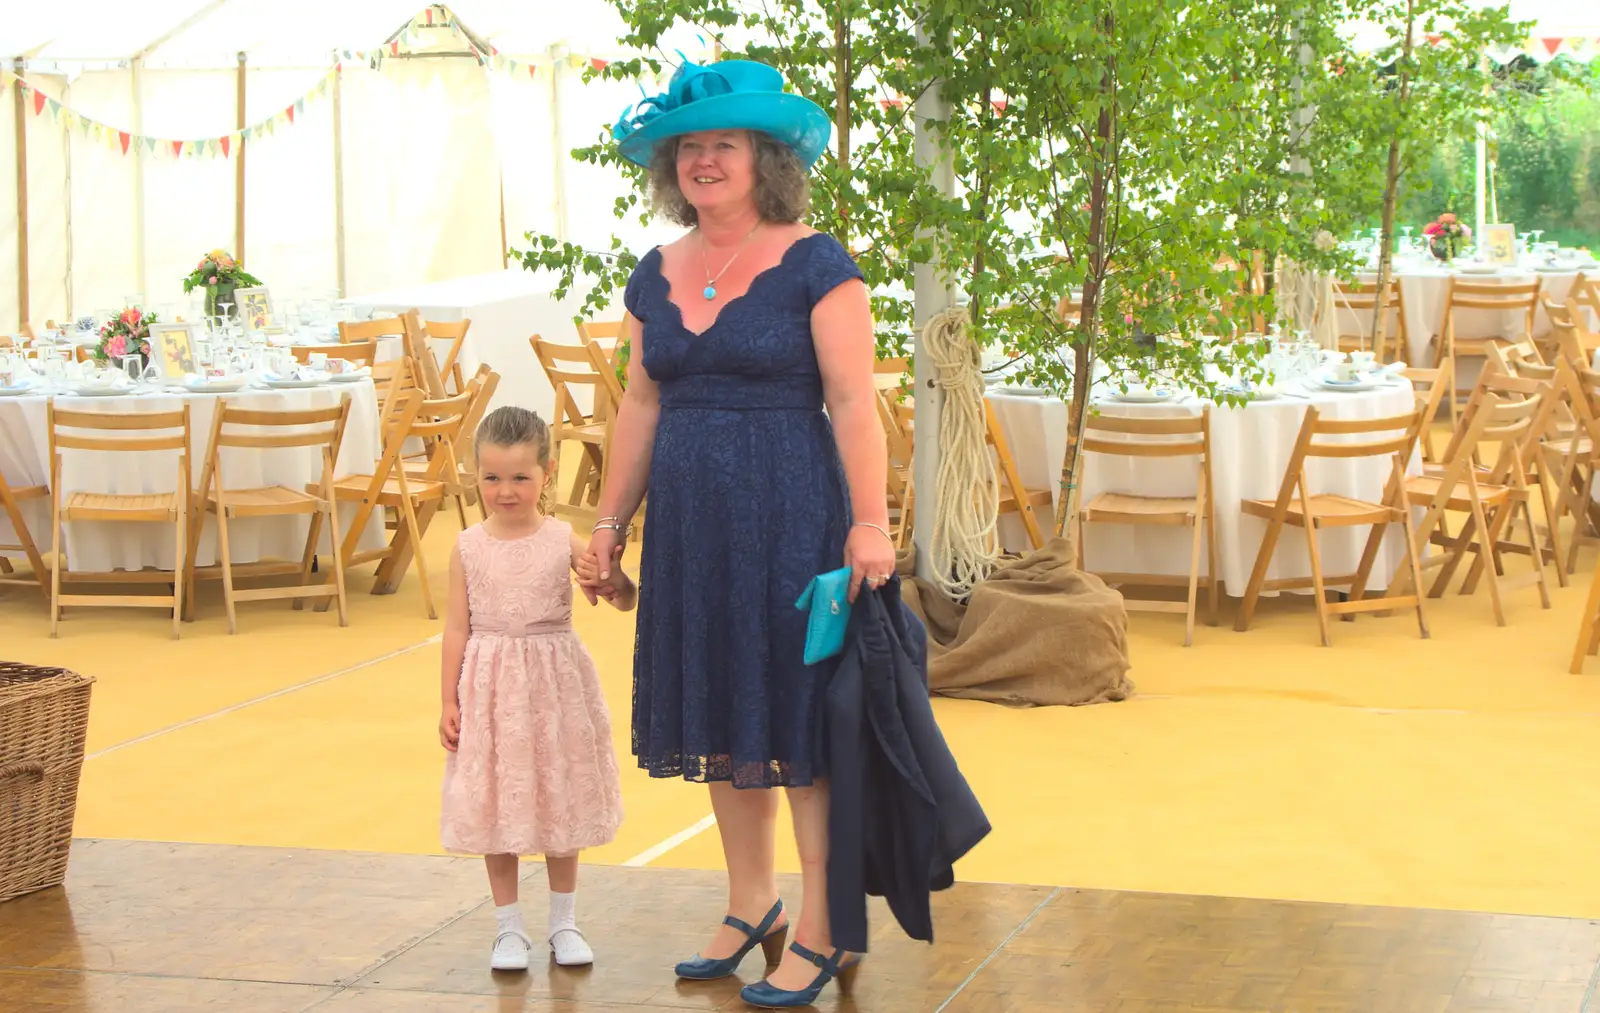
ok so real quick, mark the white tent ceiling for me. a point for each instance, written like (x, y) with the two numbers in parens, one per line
(286, 33)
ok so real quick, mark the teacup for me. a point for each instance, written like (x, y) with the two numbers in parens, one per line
(335, 366)
(1344, 372)
(1363, 360)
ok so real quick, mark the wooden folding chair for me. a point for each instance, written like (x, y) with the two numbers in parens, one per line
(1509, 412)
(577, 366)
(1297, 506)
(1466, 295)
(163, 432)
(416, 497)
(1576, 342)
(270, 430)
(455, 332)
(899, 432)
(607, 334)
(460, 468)
(1183, 436)
(893, 376)
(1361, 301)
(1014, 497)
(11, 500)
(361, 353)
(1571, 462)
(1427, 390)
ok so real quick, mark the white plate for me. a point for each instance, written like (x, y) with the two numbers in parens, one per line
(216, 386)
(1022, 391)
(100, 392)
(348, 377)
(1478, 269)
(1358, 384)
(16, 391)
(283, 384)
(1148, 397)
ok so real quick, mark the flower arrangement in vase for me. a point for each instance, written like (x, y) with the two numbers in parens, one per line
(1446, 236)
(128, 334)
(219, 274)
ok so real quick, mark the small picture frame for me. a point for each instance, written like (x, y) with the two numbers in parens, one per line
(172, 350)
(1499, 243)
(254, 306)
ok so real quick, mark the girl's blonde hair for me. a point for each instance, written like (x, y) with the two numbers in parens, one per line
(511, 426)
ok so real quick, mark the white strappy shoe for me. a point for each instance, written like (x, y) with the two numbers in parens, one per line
(510, 952)
(570, 948)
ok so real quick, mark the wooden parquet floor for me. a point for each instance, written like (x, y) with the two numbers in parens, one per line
(163, 928)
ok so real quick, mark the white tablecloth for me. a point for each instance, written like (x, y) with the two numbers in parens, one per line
(1250, 448)
(100, 547)
(506, 309)
(1423, 287)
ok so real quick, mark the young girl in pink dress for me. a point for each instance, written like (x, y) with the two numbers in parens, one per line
(531, 768)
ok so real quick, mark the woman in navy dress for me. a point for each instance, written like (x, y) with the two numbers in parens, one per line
(744, 332)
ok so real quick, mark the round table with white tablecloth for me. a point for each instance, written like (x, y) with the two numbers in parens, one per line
(102, 547)
(1250, 447)
(1424, 285)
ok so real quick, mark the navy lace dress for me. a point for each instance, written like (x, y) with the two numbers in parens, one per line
(747, 502)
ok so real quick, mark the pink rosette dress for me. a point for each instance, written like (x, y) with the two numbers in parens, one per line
(535, 771)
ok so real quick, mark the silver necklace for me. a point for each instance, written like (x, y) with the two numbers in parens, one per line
(710, 291)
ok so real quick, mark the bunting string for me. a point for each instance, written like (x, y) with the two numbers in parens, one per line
(417, 33)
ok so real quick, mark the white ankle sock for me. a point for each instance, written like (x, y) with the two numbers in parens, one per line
(510, 918)
(563, 911)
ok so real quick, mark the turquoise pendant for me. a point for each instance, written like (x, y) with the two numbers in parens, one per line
(710, 292)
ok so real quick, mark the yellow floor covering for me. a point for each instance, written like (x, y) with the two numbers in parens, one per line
(1455, 773)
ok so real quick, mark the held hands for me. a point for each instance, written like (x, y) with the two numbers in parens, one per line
(600, 573)
(870, 555)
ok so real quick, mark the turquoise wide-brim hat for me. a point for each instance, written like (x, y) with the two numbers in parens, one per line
(727, 95)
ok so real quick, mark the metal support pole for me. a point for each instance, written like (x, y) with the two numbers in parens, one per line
(932, 295)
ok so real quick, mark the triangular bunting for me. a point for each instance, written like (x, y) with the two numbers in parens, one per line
(227, 143)
(38, 102)
(123, 139)
(300, 106)
(598, 64)
(1552, 44)
(394, 49)
(177, 149)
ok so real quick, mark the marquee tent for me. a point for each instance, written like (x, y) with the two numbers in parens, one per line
(384, 142)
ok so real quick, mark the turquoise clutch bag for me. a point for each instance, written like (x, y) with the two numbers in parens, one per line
(826, 601)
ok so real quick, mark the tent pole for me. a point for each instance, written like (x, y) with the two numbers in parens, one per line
(338, 173)
(238, 170)
(558, 153)
(137, 74)
(1480, 194)
(931, 295)
(20, 113)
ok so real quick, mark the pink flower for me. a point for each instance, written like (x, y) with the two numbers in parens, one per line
(213, 279)
(134, 316)
(1447, 218)
(1466, 231)
(117, 346)
(1432, 229)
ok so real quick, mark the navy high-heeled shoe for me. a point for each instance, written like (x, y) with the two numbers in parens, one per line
(766, 996)
(770, 939)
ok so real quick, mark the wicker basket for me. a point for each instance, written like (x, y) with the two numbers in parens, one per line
(44, 717)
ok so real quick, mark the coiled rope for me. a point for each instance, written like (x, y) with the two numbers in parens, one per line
(964, 547)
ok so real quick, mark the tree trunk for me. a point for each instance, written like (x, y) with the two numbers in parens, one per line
(1391, 183)
(843, 75)
(1093, 282)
